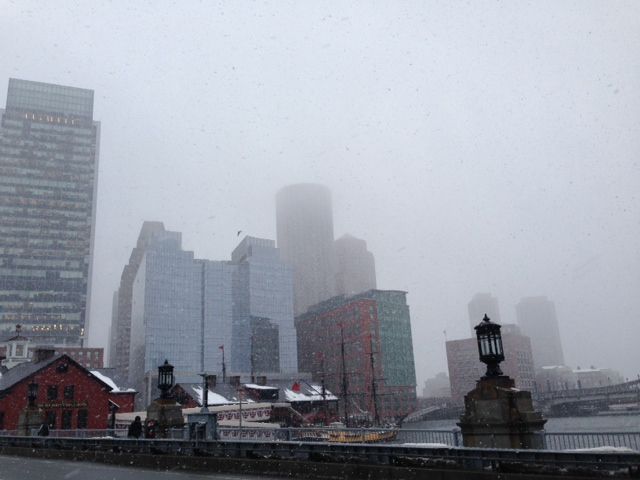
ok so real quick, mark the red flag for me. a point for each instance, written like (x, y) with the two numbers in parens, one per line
(296, 387)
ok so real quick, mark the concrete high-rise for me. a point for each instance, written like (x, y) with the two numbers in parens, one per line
(304, 220)
(481, 304)
(121, 314)
(537, 319)
(49, 145)
(355, 267)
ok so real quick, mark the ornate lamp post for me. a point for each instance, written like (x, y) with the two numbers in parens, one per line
(496, 414)
(164, 413)
(490, 346)
(165, 378)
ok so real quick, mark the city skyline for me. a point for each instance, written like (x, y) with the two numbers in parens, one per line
(494, 152)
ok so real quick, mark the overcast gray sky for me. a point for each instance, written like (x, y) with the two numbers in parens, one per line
(476, 146)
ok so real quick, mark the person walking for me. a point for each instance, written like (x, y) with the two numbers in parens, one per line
(43, 431)
(135, 429)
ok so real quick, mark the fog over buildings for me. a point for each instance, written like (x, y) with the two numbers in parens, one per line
(479, 147)
(304, 218)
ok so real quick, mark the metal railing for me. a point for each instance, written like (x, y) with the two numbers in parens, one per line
(586, 440)
(343, 435)
(553, 441)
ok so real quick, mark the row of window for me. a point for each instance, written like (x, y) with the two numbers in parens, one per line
(52, 392)
(67, 415)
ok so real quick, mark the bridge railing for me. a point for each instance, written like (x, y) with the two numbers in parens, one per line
(590, 440)
(627, 387)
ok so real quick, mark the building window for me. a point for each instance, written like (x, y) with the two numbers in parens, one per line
(1, 420)
(51, 419)
(83, 416)
(52, 392)
(66, 419)
(68, 392)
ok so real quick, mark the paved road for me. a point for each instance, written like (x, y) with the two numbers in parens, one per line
(21, 468)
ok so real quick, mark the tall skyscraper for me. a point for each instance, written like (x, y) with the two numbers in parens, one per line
(304, 220)
(355, 267)
(185, 309)
(263, 289)
(48, 178)
(537, 319)
(121, 314)
(481, 304)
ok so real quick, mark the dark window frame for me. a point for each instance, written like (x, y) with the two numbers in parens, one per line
(69, 392)
(52, 392)
(66, 420)
(83, 418)
(51, 418)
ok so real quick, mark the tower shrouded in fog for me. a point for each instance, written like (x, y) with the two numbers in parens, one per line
(537, 319)
(304, 219)
(480, 305)
(355, 266)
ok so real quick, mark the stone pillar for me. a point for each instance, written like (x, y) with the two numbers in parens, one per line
(498, 415)
(166, 414)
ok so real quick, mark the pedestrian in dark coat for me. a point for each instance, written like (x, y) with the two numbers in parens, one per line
(43, 431)
(135, 429)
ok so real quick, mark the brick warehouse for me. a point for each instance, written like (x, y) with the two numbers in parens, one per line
(378, 351)
(68, 395)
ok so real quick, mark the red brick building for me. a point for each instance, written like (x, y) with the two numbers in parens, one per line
(69, 395)
(375, 331)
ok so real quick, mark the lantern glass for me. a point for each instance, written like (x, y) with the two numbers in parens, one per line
(165, 376)
(484, 345)
(490, 346)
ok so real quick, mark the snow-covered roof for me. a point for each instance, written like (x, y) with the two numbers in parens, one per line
(259, 387)
(213, 398)
(110, 382)
(308, 393)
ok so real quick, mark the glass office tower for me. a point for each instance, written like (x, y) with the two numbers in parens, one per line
(48, 175)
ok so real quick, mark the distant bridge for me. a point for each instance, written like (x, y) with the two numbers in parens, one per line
(589, 399)
(434, 408)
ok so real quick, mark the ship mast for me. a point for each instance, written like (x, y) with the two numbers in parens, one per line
(344, 378)
(376, 417)
(324, 392)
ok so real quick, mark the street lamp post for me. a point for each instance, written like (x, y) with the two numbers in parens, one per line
(164, 412)
(496, 413)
